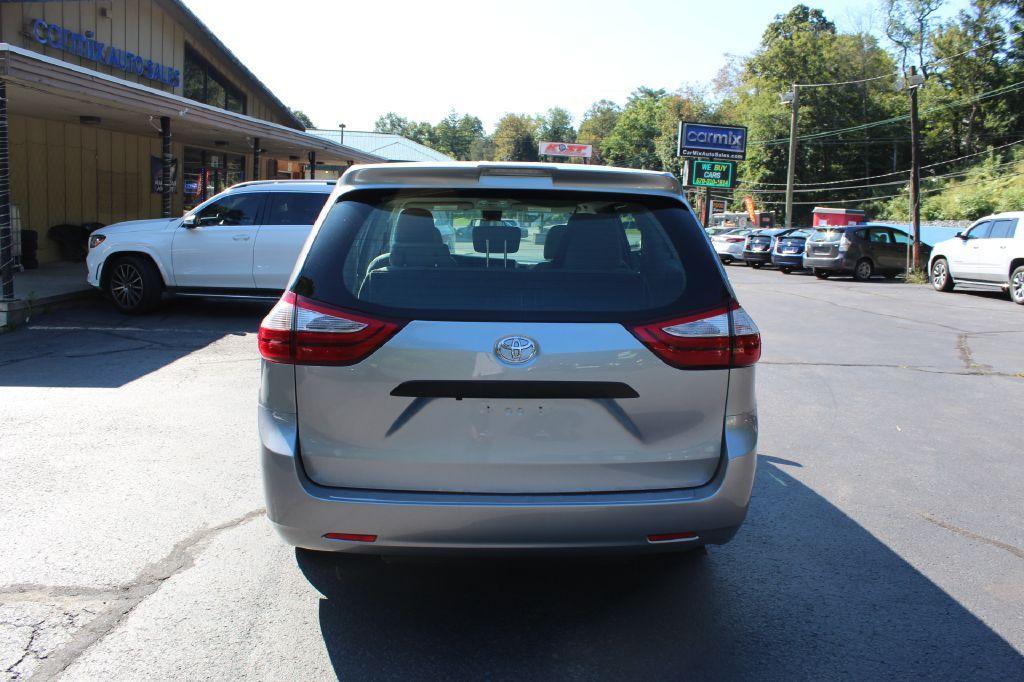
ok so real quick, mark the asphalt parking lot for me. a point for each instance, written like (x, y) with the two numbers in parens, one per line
(885, 538)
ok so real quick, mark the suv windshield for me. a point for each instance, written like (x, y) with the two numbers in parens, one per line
(591, 256)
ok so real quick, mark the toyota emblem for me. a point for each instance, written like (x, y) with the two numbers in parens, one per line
(515, 350)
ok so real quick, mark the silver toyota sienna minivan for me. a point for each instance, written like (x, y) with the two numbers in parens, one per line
(574, 375)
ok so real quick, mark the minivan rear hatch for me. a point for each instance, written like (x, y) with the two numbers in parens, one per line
(510, 364)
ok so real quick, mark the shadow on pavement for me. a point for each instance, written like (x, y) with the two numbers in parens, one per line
(802, 592)
(94, 346)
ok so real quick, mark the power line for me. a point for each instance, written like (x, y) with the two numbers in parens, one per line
(893, 196)
(876, 184)
(885, 175)
(895, 119)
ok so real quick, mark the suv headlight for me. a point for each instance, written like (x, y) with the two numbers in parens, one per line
(96, 239)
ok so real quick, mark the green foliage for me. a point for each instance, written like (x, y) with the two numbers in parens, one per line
(515, 138)
(303, 119)
(632, 142)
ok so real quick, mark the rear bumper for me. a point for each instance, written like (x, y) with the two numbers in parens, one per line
(411, 522)
(757, 256)
(788, 260)
(837, 264)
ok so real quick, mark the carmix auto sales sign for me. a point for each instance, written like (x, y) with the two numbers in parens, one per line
(582, 151)
(703, 140)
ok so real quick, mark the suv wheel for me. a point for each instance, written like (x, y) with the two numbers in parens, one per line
(134, 285)
(785, 270)
(941, 279)
(863, 270)
(822, 274)
(755, 265)
(1017, 285)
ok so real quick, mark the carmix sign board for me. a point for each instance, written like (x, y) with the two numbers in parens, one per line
(703, 140)
(713, 174)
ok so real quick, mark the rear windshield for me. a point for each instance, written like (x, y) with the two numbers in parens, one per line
(827, 235)
(511, 255)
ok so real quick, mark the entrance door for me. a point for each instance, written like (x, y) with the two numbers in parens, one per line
(217, 252)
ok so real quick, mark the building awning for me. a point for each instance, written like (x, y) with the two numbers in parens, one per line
(45, 87)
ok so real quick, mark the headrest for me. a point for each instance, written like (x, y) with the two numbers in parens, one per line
(416, 226)
(594, 242)
(554, 241)
(495, 238)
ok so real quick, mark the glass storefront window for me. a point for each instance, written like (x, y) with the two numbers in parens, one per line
(207, 173)
(205, 84)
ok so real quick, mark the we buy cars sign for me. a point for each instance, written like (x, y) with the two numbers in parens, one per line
(580, 151)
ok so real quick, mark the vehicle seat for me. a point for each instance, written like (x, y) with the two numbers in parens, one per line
(593, 242)
(552, 246)
(418, 243)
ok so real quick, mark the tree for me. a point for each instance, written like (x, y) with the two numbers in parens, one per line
(598, 123)
(303, 118)
(632, 140)
(556, 126)
(391, 123)
(515, 138)
(908, 25)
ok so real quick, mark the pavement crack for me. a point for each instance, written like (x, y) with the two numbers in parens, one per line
(124, 599)
(963, 348)
(30, 650)
(1016, 551)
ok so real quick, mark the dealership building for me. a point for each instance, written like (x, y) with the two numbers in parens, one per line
(116, 110)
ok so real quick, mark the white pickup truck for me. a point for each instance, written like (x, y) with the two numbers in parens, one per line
(242, 242)
(990, 253)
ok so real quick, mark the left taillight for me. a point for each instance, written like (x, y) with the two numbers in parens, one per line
(715, 339)
(301, 331)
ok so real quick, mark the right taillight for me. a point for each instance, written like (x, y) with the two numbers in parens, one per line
(301, 331)
(714, 339)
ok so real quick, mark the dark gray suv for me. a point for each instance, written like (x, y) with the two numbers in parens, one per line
(858, 250)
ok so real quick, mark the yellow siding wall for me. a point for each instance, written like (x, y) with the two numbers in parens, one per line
(70, 173)
(64, 172)
(152, 29)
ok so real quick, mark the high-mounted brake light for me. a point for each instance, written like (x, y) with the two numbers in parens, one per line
(300, 331)
(714, 339)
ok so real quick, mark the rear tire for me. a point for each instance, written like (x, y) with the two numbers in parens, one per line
(785, 270)
(1017, 285)
(756, 266)
(941, 279)
(822, 274)
(134, 284)
(863, 270)
(727, 261)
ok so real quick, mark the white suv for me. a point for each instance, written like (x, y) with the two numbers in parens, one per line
(242, 242)
(990, 253)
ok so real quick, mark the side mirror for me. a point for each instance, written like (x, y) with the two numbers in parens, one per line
(189, 221)
(961, 235)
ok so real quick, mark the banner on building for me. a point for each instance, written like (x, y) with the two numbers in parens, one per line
(156, 173)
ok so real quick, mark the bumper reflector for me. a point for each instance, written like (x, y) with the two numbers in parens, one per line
(671, 537)
(351, 537)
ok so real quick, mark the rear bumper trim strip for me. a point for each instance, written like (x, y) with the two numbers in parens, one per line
(541, 390)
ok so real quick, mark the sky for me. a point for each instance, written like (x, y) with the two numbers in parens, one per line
(351, 61)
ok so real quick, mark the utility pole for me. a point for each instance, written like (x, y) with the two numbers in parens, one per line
(793, 99)
(705, 217)
(914, 81)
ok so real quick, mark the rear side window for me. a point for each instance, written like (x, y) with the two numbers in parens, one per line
(294, 208)
(1003, 229)
(529, 256)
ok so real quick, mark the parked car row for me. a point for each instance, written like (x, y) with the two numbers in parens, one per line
(862, 251)
(988, 254)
